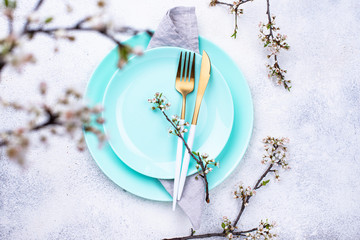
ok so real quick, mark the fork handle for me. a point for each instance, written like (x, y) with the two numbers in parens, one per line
(186, 160)
(183, 107)
(179, 154)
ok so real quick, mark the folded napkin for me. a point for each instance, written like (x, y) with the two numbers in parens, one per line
(179, 29)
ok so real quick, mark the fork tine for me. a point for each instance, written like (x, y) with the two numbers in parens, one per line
(187, 76)
(183, 77)
(179, 67)
(192, 78)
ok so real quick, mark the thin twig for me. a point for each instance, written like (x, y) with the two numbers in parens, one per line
(258, 183)
(244, 202)
(37, 7)
(52, 119)
(210, 235)
(235, 8)
(236, 14)
(75, 27)
(231, 5)
(224, 3)
(236, 17)
(269, 16)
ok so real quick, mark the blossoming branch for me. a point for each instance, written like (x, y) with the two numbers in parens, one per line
(64, 117)
(204, 164)
(275, 157)
(11, 45)
(273, 41)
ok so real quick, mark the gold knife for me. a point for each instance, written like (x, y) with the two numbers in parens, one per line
(203, 81)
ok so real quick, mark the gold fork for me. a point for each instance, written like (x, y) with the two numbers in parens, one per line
(184, 84)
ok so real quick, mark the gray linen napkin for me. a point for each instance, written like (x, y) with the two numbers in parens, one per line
(179, 29)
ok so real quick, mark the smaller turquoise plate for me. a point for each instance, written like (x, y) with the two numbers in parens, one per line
(139, 135)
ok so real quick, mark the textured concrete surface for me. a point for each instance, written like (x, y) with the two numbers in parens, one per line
(62, 194)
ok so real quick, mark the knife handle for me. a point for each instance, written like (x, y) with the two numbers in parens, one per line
(179, 154)
(186, 160)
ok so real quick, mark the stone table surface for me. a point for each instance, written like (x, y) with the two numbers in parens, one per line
(62, 194)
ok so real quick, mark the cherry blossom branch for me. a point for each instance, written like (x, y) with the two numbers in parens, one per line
(76, 27)
(160, 102)
(52, 119)
(66, 116)
(245, 201)
(9, 9)
(276, 156)
(12, 41)
(196, 158)
(273, 42)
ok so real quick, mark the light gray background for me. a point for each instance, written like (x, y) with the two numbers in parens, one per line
(62, 194)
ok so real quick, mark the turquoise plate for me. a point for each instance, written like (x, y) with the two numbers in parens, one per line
(229, 158)
(139, 136)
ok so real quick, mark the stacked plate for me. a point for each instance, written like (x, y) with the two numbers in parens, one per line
(140, 151)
